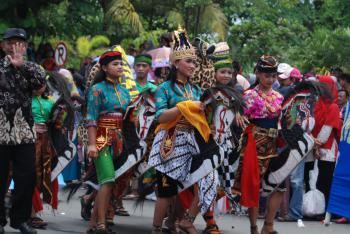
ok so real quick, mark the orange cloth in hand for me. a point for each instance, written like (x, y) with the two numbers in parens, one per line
(192, 113)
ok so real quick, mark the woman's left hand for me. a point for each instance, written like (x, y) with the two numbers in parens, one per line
(241, 121)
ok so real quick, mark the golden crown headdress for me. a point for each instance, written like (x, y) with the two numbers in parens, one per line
(182, 48)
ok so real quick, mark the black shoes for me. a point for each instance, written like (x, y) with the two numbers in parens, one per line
(2, 230)
(26, 229)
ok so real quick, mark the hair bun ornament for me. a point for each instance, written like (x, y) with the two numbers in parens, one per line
(182, 47)
(222, 51)
(267, 64)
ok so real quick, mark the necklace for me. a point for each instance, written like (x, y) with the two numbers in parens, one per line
(40, 105)
(187, 94)
(268, 100)
(114, 83)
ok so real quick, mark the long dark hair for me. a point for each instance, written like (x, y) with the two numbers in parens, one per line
(99, 77)
(172, 78)
(60, 84)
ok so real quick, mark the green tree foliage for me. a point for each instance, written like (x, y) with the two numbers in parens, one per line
(304, 33)
(86, 47)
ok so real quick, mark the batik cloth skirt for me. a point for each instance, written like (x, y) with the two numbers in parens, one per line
(172, 155)
(44, 153)
(266, 147)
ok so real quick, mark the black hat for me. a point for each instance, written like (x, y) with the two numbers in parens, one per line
(15, 33)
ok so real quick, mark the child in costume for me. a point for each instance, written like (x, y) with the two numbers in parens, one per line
(107, 101)
(224, 85)
(44, 154)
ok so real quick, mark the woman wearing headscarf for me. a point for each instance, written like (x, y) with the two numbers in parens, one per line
(326, 134)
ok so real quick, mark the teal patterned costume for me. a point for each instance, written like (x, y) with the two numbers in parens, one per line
(167, 98)
(104, 98)
(175, 170)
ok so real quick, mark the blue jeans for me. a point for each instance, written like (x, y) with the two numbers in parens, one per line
(297, 189)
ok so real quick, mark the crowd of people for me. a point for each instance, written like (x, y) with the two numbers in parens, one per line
(199, 108)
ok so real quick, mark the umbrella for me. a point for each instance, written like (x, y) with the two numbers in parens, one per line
(160, 57)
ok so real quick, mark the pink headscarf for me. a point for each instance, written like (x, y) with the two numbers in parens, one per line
(295, 73)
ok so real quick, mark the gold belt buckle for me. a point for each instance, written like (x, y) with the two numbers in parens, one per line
(272, 132)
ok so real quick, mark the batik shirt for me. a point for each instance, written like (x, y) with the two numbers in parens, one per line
(260, 105)
(16, 87)
(167, 98)
(105, 97)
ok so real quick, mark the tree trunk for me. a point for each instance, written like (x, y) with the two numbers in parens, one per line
(104, 5)
(150, 22)
(196, 26)
(186, 18)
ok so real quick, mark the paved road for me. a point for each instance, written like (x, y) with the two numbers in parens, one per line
(68, 221)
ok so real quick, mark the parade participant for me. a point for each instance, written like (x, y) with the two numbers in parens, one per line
(161, 74)
(223, 76)
(224, 81)
(44, 153)
(142, 66)
(292, 203)
(295, 75)
(345, 82)
(339, 194)
(259, 143)
(343, 98)
(284, 78)
(223, 71)
(107, 100)
(326, 134)
(237, 73)
(18, 80)
(175, 99)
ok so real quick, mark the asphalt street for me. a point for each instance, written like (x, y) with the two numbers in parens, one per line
(68, 220)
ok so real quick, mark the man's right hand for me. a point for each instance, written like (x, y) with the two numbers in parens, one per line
(92, 151)
(16, 59)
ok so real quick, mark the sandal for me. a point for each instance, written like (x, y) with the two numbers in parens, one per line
(170, 227)
(188, 227)
(254, 229)
(212, 229)
(37, 223)
(270, 225)
(91, 230)
(109, 222)
(102, 229)
(342, 220)
(120, 211)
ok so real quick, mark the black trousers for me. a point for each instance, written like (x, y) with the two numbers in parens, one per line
(324, 179)
(23, 168)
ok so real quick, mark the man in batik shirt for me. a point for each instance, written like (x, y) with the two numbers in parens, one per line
(18, 79)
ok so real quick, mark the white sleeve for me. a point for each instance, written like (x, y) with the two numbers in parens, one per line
(324, 134)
